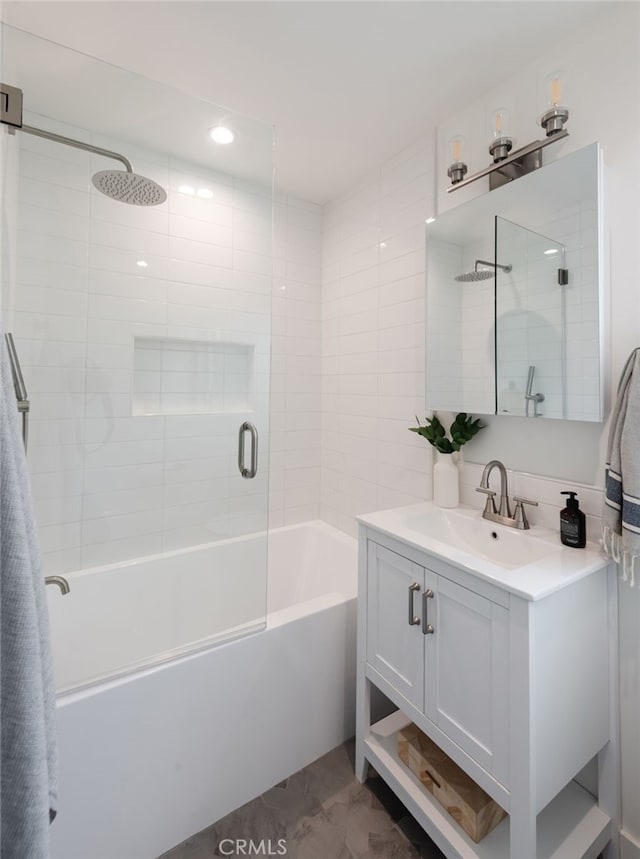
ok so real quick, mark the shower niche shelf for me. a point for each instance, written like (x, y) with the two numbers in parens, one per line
(180, 377)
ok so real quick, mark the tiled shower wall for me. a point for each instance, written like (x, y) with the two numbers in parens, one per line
(110, 482)
(294, 489)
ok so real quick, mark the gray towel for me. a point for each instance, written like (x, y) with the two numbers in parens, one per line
(28, 776)
(621, 515)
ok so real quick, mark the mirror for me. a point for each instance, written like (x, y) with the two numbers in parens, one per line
(513, 309)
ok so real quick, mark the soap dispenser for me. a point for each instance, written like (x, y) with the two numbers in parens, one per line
(573, 529)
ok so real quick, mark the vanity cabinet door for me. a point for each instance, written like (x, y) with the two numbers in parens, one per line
(466, 672)
(395, 644)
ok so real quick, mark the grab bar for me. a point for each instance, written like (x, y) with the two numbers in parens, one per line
(250, 472)
(19, 386)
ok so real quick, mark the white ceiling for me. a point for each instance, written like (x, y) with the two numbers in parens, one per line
(346, 84)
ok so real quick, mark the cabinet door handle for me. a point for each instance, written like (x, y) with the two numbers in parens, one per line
(427, 628)
(413, 619)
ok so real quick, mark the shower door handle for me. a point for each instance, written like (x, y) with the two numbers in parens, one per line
(250, 472)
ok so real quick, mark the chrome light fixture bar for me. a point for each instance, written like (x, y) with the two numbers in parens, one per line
(516, 164)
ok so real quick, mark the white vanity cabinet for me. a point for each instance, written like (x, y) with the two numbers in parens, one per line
(515, 687)
(444, 648)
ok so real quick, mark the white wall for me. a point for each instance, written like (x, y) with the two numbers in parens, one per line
(373, 310)
(373, 340)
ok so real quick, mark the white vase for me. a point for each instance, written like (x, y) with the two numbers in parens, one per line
(446, 491)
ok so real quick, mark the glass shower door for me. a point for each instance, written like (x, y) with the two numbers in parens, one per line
(530, 323)
(144, 337)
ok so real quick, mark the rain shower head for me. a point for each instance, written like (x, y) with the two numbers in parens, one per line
(129, 187)
(483, 274)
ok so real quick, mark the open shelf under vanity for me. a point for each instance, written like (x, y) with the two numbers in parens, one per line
(571, 825)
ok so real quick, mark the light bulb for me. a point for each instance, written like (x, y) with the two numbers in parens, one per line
(556, 113)
(457, 167)
(499, 130)
(555, 89)
(456, 148)
(500, 123)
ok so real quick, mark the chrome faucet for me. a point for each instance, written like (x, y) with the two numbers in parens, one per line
(62, 583)
(503, 513)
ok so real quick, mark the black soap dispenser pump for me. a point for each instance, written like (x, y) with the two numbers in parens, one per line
(573, 528)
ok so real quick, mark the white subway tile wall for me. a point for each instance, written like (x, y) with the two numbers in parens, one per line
(373, 341)
(120, 314)
(295, 369)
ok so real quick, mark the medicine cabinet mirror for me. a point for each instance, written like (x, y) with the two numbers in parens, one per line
(514, 311)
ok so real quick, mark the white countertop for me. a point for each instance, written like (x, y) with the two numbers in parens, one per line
(558, 567)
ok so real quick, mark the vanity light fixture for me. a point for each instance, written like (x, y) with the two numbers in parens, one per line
(509, 164)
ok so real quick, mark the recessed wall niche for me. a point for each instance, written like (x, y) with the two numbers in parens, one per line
(179, 377)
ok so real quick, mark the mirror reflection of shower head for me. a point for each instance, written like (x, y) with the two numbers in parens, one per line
(122, 185)
(483, 274)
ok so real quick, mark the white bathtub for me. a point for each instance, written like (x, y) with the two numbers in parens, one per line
(149, 758)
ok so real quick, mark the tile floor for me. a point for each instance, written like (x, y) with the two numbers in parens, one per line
(321, 812)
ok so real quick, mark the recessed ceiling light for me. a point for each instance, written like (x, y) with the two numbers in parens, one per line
(186, 189)
(551, 251)
(142, 263)
(221, 134)
(205, 193)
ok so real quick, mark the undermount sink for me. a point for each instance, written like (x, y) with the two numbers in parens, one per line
(466, 530)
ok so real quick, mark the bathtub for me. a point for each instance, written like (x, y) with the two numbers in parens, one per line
(152, 754)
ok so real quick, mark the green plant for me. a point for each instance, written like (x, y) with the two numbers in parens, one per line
(462, 430)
